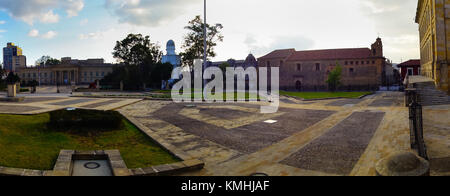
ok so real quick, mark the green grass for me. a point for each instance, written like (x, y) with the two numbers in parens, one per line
(324, 95)
(26, 142)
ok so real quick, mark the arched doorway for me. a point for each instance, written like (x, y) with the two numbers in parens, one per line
(298, 86)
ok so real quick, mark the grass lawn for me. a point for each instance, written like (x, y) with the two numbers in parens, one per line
(323, 95)
(26, 142)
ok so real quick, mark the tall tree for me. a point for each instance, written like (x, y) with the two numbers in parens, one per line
(334, 78)
(136, 49)
(194, 40)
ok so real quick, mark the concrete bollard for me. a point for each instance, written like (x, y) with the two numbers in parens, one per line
(403, 164)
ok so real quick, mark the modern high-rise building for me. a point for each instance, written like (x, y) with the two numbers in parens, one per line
(13, 57)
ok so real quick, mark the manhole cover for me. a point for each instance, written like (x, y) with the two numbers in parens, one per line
(91, 165)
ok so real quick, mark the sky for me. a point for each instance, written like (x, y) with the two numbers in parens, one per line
(84, 29)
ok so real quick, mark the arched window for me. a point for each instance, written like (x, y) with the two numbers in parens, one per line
(298, 86)
(299, 67)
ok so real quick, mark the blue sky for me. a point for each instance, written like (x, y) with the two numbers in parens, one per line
(89, 28)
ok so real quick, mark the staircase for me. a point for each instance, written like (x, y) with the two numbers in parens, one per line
(429, 95)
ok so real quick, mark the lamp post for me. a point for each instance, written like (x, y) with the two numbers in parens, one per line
(204, 42)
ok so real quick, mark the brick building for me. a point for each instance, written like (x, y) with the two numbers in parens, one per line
(362, 68)
(434, 29)
(409, 68)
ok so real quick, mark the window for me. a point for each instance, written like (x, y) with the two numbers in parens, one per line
(368, 62)
(351, 62)
(91, 74)
(281, 63)
(351, 70)
(85, 74)
(346, 63)
(103, 73)
(357, 62)
(362, 62)
(96, 74)
(373, 62)
(299, 67)
(410, 71)
(317, 66)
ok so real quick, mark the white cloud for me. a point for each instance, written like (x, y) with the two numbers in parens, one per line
(72, 7)
(30, 11)
(33, 33)
(49, 17)
(2, 31)
(49, 35)
(147, 12)
(2, 22)
(84, 22)
(95, 36)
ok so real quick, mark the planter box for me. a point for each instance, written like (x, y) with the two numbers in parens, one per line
(12, 91)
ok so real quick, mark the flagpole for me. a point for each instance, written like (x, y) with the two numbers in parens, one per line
(204, 41)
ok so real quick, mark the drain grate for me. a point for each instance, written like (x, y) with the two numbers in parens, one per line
(92, 165)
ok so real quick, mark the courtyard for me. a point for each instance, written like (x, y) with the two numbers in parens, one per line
(318, 137)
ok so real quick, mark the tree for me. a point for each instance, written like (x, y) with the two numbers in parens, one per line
(47, 61)
(194, 40)
(162, 71)
(224, 66)
(12, 78)
(136, 49)
(334, 78)
(139, 56)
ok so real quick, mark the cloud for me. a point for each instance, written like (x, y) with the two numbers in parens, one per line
(49, 35)
(147, 12)
(2, 31)
(2, 22)
(278, 42)
(33, 33)
(49, 17)
(96, 35)
(30, 11)
(84, 22)
(394, 21)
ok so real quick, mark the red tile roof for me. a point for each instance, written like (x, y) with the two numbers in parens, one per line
(279, 54)
(410, 63)
(331, 54)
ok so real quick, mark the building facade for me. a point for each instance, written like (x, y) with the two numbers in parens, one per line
(250, 61)
(13, 58)
(70, 70)
(409, 68)
(434, 28)
(362, 68)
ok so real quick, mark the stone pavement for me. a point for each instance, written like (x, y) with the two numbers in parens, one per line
(329, 137)
(41, 103)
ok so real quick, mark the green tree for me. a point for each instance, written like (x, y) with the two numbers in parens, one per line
(12, 78)
(162, 71)
(47, 61)
(136, 49)
(194, 40)
(139, 56)
(334, 78)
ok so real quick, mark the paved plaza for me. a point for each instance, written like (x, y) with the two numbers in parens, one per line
(328, 137)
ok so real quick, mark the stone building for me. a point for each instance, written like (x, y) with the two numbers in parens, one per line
(250, 61)
(434, 29)
(362, 68)
(70, 70)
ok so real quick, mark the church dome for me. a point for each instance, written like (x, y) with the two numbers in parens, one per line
(170, 43)
(250, 58)
(170, 47)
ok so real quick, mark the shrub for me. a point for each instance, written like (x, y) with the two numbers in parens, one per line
(65, 120)
(22, 90)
